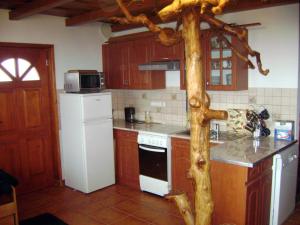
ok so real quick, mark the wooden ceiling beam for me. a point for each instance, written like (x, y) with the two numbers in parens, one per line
(236, 6)
(35, 7)
(89, 17)
(120, 27)
(102, 15)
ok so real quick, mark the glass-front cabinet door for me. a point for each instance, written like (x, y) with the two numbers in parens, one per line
(222, 66)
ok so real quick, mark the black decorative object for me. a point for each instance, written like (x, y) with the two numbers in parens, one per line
(256, 123)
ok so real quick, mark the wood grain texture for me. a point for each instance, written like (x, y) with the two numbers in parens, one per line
(35, 7)
(241, 195)
(127, 164)
(34, 121)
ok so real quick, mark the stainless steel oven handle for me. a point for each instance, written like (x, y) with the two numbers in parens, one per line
(151, 149)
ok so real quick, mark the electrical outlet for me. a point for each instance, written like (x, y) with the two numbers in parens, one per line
(157, 104)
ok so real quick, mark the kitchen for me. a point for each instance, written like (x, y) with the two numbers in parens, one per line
(272, 91)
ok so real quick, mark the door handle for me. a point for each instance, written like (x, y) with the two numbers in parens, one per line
(151, 149)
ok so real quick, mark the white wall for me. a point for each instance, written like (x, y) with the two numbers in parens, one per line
(277, 40)
(74, 47)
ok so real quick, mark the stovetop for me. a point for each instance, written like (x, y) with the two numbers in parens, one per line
(155, 128)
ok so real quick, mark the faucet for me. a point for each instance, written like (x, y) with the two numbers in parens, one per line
(215, 132)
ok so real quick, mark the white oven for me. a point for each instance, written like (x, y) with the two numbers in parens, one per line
(155, 163)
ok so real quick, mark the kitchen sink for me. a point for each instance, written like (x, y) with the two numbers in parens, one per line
(223, 136)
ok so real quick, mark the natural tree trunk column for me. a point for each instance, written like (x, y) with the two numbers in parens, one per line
(199, 152)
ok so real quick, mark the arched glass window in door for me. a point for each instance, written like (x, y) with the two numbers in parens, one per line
(17, 68)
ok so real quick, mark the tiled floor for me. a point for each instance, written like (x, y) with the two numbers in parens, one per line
(294, 219)
(110, 206)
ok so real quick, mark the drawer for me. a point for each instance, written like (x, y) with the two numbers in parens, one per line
(125, 133)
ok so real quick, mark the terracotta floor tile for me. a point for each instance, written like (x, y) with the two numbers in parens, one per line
(112, 200)
(157, 203)
(167, 219)
(115, 205)
(108, 215)
(128, 206)
(75, 218)
(130, 221)
(138, 210)
(89, 208)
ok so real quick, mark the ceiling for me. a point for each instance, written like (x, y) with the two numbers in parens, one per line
(79, 12)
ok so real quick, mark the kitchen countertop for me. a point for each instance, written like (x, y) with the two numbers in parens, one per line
(242, 151)
(149, 128)
(248, 152)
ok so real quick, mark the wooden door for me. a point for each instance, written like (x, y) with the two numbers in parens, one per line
(106, 65)
(25, 119)
(127, 158)
(115, 66)
(253, 203)
(180, 168)
(161, 52)
(141, 54)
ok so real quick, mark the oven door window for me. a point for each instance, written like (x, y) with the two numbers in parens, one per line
(153, 162)
(89, 81)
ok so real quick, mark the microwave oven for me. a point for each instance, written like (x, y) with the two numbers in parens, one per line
(83, 81)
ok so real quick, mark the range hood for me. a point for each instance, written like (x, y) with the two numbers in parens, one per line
(161, 65)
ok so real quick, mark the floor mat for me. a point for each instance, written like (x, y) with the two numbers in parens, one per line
(43, 219)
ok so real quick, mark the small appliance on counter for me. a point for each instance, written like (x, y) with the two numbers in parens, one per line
(129, 114)
(284, 130)
(83, 81)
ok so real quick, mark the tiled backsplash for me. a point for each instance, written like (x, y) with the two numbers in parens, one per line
(169, 105)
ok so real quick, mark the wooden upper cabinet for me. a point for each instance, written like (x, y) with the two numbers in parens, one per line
(122, 55)
(223, 69)
(105, 65)
(116, 64)
(141, 52)
(162, 52)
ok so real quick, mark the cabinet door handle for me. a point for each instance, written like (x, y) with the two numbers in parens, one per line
(151, 149)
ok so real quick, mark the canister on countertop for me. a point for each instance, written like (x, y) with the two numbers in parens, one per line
(284, 130)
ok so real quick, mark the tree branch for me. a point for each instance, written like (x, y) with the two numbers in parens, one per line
(167, 36)
(235, 51)
(240, 33)
(183, 206)
(178, 6)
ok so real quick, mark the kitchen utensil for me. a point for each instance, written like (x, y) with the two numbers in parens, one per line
(129, 114)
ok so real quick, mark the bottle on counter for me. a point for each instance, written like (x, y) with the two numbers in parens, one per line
(147, 117)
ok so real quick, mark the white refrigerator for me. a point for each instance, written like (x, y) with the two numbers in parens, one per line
(87, 141)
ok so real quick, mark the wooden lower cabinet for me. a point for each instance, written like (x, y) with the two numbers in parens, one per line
(241, 195)
(127, 161)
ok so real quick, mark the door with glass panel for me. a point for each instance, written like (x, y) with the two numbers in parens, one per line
(25, 120)
(224, 70)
